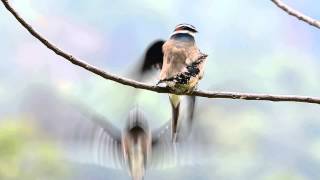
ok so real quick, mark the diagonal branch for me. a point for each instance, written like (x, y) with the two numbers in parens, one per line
(139, 85)
(296, 13)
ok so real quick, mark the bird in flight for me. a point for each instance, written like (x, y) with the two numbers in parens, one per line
(89, 138)
(182, 66)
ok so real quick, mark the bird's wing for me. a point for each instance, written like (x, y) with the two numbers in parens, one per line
(166, 154)
(153, 57)
(183, 111)
(84, 137)
(189, 149)
(187, 117)
(144, 70)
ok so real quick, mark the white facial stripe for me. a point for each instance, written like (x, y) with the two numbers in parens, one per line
(186, 25)
(183, 32)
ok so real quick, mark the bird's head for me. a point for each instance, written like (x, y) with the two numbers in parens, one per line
(185, 27)
(184, 30)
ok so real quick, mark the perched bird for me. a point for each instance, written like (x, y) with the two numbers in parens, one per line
(182, 66)
(183, 63)
(90, 138)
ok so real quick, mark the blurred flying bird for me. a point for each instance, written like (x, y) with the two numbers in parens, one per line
(181, 64)
(89, 138)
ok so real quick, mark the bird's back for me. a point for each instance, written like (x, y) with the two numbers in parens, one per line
(177, 54)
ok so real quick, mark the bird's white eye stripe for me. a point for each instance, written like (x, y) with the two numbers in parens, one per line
(185, 25)
(183, 32)
(188, 27)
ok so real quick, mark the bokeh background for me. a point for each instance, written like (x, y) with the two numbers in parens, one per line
(253, 46)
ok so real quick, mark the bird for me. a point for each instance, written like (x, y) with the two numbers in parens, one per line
(181, 64)
(89, 138)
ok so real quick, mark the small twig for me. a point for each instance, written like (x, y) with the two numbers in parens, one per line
(297, 14)
(135, 84)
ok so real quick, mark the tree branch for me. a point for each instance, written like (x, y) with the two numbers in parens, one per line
(296, 13)
(139, 85)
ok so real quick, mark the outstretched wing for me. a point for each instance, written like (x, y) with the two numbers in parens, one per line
(84, 137)
(153, 57)
(191, 147)
(183, 110)
(165, 154)
(145, 69)
(187, 108)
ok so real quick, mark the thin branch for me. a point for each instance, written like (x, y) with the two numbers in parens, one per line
(296, 13)
(139, 85)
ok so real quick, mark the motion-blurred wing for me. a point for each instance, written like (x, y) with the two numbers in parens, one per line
(85, 137)
(153, 57)
(189, 150)
(183, 115)
(163, 152)
(186, 125)
(151, 60)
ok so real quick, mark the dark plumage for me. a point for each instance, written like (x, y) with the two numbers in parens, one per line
(153, 57)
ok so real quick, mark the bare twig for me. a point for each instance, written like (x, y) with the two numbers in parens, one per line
(297, 14)
(139, 85)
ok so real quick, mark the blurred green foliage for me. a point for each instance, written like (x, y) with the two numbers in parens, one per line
(24, 154)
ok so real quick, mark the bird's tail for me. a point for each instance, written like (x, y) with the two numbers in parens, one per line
(175, 106)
